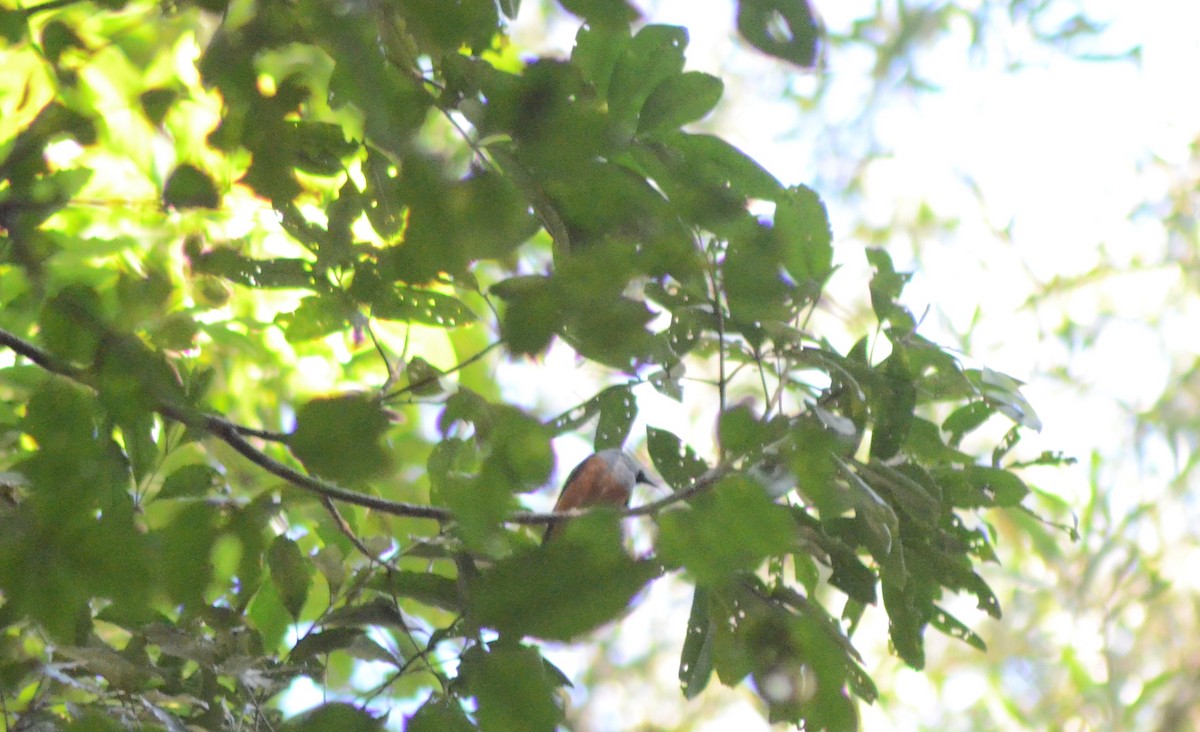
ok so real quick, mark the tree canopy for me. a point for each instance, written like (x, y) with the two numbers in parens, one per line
(259, 262)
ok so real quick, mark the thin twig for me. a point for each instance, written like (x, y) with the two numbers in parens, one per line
(434, 377)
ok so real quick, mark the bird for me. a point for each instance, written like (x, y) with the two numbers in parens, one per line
(606, 478)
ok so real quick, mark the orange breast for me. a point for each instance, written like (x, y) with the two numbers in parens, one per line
(590, 484)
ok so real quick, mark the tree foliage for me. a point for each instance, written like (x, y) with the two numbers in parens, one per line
(257, 260)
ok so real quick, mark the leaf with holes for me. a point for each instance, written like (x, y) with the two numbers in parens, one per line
(618, 410)
(677, 463)
(417, 305)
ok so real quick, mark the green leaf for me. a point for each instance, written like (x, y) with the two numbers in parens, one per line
(190, 187)
(892, 403)
(514, 688)
(732, 528)
(618, 410)
(564, 589)
(679, 100)
(1005, 393)
(597, 48)
(654, 55)
(316, 317)
(290, 572)
(531, 316)
(319, 146)
(717, 163)
(741, 433)
(336, 715)
(965, 419)
(1002, 486)
(696, 661)
(258, 273)
(425, 587)
(439, 713)
(602, 12)
(677, 463)
(339, 437)
(71, 324)
(324, 642)
(191, 481)
(520, 457)
(955, 628)
(886, 286)
(156, 103)
(417, 305)
(802, 223)
(785, 29)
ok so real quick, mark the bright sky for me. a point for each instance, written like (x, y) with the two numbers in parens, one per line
(1043, 167)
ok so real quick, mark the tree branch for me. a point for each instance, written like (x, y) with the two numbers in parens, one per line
(234, 435)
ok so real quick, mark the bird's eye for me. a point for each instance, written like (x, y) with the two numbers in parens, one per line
(641, 477)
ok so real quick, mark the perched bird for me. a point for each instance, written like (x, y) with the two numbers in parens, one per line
(606, 478)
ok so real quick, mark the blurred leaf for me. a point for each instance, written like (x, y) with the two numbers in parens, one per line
(677, 463)
(1005, 393)
(439, 714)
(416, 305)
(696, 663)
(190, 481)
(316, 317)
(71, 324)
(339, 437)
(654, 55)
(156, 103)
(618, 410)
(254, 272)
(336, 715)
(802, 223)
(886, 286)
(190, 187)
(290, 572)
(786, 29)
(602, 12)
(513, 687)
(733, 527)
(678, 100)
(566, 588)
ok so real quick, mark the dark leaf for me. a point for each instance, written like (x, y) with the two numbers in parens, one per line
(416, 305)
(336, 715)
(439, 714)
(191, 481)
(291, 572)
(156, 103)
(785, 29)
(572, 585)
(190, 187)
(602, 12)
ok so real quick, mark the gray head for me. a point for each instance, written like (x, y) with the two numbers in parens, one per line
(624, 468)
